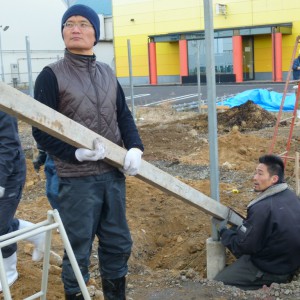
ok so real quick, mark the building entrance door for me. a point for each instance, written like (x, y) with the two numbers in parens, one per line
(248, 60)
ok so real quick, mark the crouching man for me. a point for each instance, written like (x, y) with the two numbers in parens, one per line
(267, 244)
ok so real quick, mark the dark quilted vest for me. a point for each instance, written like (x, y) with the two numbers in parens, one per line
(87, 95)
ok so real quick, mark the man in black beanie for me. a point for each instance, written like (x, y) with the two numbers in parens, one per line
(91, 192)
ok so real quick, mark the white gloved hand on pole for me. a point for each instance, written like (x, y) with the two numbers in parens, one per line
(2, 191)
(132, 161)
(98, 153)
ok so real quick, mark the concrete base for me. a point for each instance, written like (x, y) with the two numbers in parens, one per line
(215, 257)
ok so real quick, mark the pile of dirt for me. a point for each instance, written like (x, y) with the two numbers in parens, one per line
(247, 116)
(169, 254)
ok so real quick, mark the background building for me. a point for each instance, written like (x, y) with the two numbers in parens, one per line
(254, 39)
(39, 20)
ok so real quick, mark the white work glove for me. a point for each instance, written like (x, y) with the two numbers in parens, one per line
(98, 153)
(132, 161)
(2, 191)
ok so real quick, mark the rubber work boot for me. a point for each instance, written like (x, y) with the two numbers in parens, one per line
(114, 289)
(77, 296)
(10, 267)
(37, 240)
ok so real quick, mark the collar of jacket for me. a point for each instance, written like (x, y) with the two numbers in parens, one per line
(80, 60)
(272, 190)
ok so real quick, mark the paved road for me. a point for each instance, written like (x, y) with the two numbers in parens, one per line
(178, 94)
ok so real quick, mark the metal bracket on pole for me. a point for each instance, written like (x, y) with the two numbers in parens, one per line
(53, 221)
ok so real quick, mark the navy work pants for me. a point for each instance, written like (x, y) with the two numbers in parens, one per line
(89, 206)
(8, 206)
(245, 275)
(51, 182)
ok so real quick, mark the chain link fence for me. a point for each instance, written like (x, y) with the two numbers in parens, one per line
(15, 65)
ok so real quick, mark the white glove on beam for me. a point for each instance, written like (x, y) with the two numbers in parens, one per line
(132, 161)
(2, 191)
(98, 153)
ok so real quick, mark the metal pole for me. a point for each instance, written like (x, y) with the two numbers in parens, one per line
(130, 78)
(3, 279)
(211, 102)
(2, 65)
(29, 66)
(198, 76)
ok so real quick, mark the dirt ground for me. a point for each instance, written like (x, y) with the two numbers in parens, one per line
(169, 255)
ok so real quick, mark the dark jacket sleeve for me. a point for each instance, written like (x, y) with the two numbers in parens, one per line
(296, 64)
(249, 237)
(129, 132)
(46, 92)
(10, 147)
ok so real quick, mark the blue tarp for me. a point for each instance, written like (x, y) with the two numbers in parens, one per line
(268, 100)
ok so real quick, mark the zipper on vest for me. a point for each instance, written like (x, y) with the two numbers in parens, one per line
(97, 95)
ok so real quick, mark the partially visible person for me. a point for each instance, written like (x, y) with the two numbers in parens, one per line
(296, 68)
(12, 180)
(92, 193)
(44, 159)
(267, 244)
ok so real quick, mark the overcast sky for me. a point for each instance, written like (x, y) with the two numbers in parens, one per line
(38, 19)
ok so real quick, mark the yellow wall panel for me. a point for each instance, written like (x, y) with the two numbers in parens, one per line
(179, 26)
(231, 21)
(258, 5)
(134, 30)
(276, 17)
(263, 53)
(137, 20)
(139, 66)
(132, 8)
(167, 58)
(119, 3)
(154, 17)
(167, 54)
(187, 14)
(139, 49)
(237, 8)
(168, 5)
(134, 40)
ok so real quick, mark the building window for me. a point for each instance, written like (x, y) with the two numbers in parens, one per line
(223, 56)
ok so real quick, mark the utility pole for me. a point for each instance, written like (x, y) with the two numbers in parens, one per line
(211, 98)
(2, 66)
(211, 104)
(199, 77)
(130, 78)
(29, 66)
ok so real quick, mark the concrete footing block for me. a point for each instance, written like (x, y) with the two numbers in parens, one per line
(215, 257)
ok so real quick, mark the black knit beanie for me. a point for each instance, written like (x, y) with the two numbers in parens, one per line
(84, 11)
